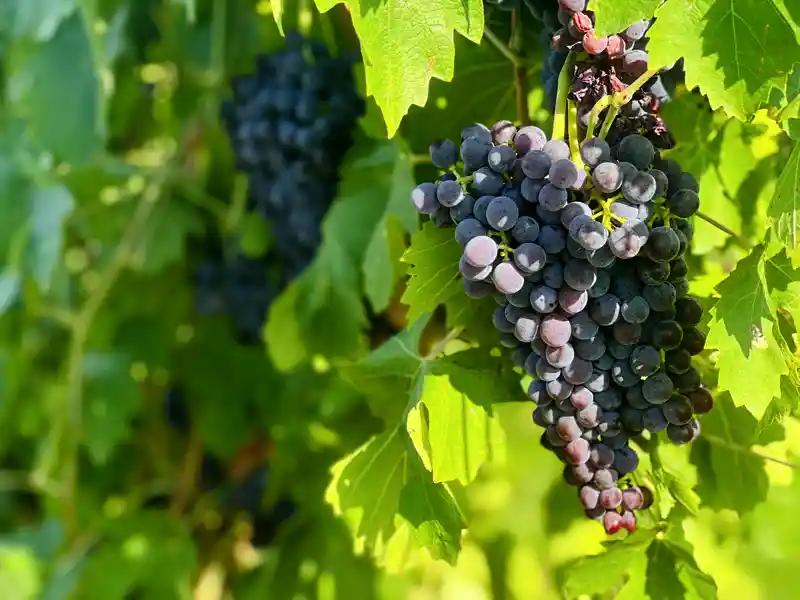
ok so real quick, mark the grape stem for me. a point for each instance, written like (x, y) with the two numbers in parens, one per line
(501, 47)
(740, 239)
(420, 159)
(594, 116)
(620, 99)
(517, 45)
(439, 347)
(187, 479)
(574, 145)
(560, 114)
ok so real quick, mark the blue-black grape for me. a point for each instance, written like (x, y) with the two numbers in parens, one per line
(444, 154)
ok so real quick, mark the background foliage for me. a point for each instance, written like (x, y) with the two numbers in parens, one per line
(394, 424)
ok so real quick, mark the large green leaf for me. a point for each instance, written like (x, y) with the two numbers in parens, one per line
(381, 482)
(145, 551)
(601, 573)
(730, 475)
(385, 175)
(729, 49)
(322, 312)
(407, 42)
(786, 202)
(433, 256)
(462, 433)
(39, 19)
(112, 399)
(614, 16)
(56, 88)
(720, 154)
(741, 329)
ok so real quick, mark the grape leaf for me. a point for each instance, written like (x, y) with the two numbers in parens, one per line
(741, 326)
(434, 278)
(697, 583)
(730, 476)
(386, 174)
(614, 16)
(48, 207)
(380, 480)
(388, 374)
(773, 529)
(600, 573)
(164, 239)
(112, 399)
(727, 49)
(147, 550)
(407, 42)
(462, 432)
(719, 153)
(784, 207)
(58, 78)
(277, 12)
(321, 312)
(662, 576)
(433, 514)
(222, 426)
(39, 19)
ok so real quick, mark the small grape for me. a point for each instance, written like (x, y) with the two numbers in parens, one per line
(503, 132)
(468, 229)
(556, 149)
(653, 420)
(553, 198)
(611, 498)
(595, 151)
(530, 258)
(501, 159)
(683, 434)
(473, 273)
(481, 251)
(589, 496)
(506, 277)
(502, 213)
(424, 199)
(605, 310)
(694, 340)
(529, 138)
(563, 173)
(526, 229)
(684, 203)
(701, 399)
(636, 149)
(607, 177)
(444, 154)
(555, 330)
(526, 328)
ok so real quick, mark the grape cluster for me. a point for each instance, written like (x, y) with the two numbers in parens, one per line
(290, 124)
(243, 288)
(585, 259)
(609, 65)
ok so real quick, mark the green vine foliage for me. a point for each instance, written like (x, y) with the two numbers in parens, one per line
(379, 397)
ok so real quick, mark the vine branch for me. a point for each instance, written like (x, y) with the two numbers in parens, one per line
(501, 47)
(736, 448)
(80, 335)
(560, 112)
(187, 478)
(442, 343)
(741, 240)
